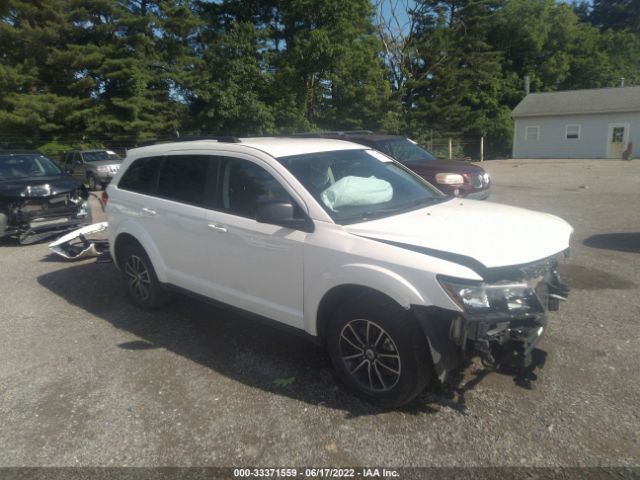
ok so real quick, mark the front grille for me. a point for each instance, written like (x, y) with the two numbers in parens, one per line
(55, 206)
(539, 268)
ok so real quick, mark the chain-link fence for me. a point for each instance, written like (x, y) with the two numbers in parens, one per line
(462, 148)
(446, 146)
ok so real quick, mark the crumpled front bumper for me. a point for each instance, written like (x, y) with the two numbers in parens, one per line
(497, 337)
(37, 225)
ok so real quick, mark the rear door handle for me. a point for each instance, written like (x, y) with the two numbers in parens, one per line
(149, 211)
(217, 228)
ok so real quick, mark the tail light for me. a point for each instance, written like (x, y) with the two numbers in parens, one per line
(104, 199)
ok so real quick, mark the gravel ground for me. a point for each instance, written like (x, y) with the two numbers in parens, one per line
(87, 379)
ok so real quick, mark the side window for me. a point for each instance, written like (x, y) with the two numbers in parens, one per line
(183, 178)
(77, 158)
(140, 176)
(532, 133)
(572, 132)
(242, 183)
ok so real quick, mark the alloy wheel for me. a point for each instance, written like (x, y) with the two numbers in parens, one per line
(138, 278)
(370, 355)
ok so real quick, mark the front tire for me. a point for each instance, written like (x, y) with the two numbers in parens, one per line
(379, 351)
(140, 279)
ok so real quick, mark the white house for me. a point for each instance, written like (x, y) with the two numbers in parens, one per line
(594, 123)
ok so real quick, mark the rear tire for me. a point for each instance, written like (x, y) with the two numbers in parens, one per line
(379, 350)
(140, 279)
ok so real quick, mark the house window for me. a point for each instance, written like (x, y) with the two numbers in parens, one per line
(572, 132)
(532, 133)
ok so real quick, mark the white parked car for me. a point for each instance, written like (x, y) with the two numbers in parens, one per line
(341, 243)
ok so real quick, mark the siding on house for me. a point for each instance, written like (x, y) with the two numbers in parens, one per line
(592, 143)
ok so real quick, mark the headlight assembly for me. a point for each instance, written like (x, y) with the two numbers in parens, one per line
(479, 298)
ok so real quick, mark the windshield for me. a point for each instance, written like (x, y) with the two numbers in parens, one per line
(100, 156)
(404, 150)
(27, 165)
(358, 185)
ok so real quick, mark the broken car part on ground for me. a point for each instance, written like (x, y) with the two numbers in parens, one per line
(78, 244)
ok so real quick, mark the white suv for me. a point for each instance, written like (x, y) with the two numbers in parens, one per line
(343, 244)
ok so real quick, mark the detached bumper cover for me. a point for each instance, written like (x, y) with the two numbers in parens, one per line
(79, 244)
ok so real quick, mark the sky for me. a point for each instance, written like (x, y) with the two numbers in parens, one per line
(400, 7)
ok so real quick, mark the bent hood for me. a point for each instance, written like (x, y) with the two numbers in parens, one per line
(493, 234)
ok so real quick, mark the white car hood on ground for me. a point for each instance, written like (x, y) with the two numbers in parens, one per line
(495, 235)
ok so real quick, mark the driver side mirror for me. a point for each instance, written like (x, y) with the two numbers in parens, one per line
(281, 212)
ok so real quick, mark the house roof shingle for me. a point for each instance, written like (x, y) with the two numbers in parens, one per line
(596, 100)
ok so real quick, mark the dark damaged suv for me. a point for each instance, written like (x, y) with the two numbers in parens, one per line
(453, 177)
(37, 198)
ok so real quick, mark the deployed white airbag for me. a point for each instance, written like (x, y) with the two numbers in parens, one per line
(354, 191)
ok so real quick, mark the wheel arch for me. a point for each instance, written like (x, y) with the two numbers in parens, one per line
(353, 280)
(337, 296)
(126, 237)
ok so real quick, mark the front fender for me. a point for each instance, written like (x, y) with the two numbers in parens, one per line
(363, 275)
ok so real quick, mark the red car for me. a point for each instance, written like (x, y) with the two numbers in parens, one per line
(453, 177)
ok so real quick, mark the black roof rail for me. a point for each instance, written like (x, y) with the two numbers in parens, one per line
(191, 138)
(336, 132)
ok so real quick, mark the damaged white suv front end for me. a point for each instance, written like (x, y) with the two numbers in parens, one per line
(501, 304)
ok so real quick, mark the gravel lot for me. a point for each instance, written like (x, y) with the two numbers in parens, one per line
(87, 379)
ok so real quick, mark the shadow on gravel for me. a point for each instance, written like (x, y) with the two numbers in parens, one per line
(232, 345)
(621, 242)
(589, 278)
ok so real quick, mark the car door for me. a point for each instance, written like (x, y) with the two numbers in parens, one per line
(254, 266)
(175, 218)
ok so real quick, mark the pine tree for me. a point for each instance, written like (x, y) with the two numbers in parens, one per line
(460, 79)
(329, 66)
(616, 14)
(40, 95)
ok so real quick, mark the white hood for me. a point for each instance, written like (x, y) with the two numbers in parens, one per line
(496, 235)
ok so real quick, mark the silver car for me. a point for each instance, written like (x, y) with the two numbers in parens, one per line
(96, 167)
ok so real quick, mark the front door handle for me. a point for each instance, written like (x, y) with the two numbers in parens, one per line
(149, 211)
(217, 228)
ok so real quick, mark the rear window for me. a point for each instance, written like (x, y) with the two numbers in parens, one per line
(141, 175)
(404, 150)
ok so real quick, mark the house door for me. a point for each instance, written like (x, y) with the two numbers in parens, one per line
(617, 139)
